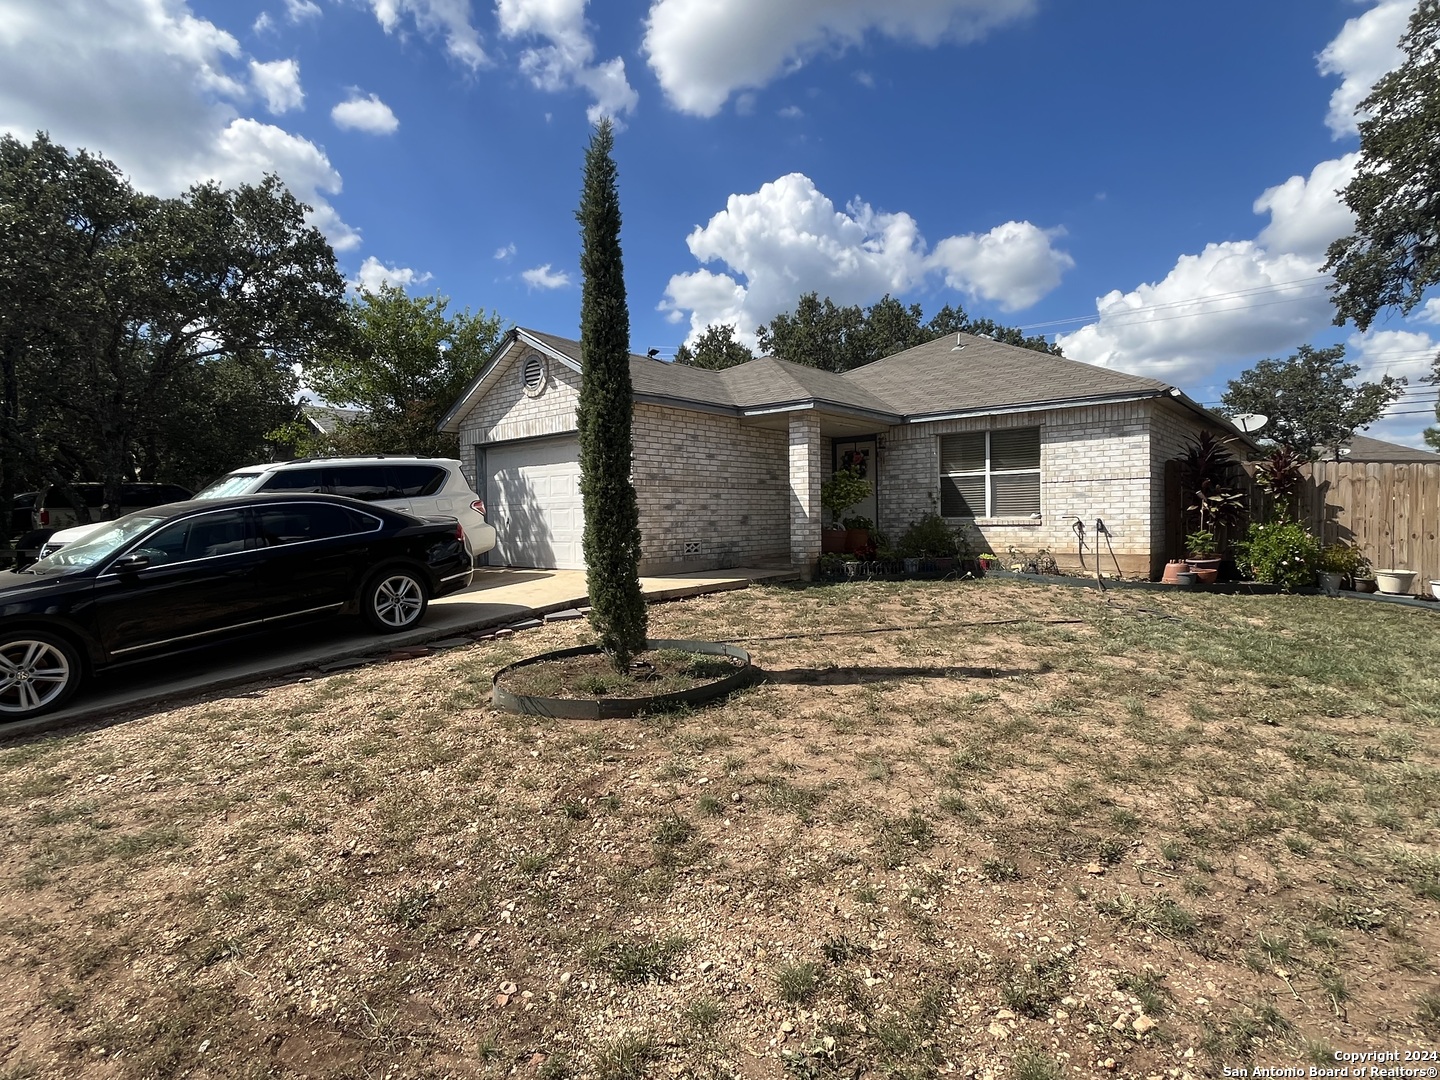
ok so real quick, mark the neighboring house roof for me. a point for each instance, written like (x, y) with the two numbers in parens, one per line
(929, 381)
(326, 418)
(1363, 448)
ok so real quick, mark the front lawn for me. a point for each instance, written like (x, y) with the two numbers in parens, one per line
(1018, 830)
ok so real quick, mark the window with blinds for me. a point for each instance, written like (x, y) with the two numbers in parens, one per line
(990, 473)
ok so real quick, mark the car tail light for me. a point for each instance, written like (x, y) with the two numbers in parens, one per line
(44, 518)
(459, 532)
(478, 506)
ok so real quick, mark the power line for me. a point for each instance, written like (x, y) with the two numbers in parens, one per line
(1235, 294)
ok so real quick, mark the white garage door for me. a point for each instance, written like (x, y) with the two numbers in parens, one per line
(533, 498)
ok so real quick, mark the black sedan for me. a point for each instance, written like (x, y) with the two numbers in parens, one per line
(184, 575)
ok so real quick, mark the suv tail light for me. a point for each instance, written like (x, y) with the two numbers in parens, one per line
(478, 506)
(44, 518)
(459, 532)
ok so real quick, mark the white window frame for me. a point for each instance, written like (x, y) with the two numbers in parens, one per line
(989, 473)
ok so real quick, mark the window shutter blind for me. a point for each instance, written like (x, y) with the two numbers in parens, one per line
(962, 496)
(962, 453)
(1015, 448)
(1015, 494)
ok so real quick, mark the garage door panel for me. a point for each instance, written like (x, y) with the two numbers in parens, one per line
(533, 493)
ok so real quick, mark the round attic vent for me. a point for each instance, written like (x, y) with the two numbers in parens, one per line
(532, 374)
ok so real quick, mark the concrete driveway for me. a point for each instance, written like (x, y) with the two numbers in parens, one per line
(497, 598)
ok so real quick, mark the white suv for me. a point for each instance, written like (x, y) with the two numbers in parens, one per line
(422, 486)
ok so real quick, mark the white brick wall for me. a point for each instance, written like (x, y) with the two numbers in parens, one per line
(713, 493)
(1095, 462)
(806, 465)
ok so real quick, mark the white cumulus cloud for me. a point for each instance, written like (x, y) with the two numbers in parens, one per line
(1306, 215)
(158, 91)
(567, 56)
(505, 254)
(1367, 47)
(278, 83)
(373, 274)
(1013, 265)
(703, 52)
(447, 18)
(789, 238)
(368, 114)
(542, 277)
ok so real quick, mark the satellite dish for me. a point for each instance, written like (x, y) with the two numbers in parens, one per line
(1250, 422)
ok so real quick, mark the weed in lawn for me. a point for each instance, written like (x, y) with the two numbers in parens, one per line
(1033, 989)
(901, 838)
(625, 1057)
(1000, 870)
(409, 909)
(1031, 1063)
(1427, 1011)
(636, 959)
(798, 982)
(1149, 989)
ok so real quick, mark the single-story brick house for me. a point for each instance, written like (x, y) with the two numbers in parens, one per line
(728, 464)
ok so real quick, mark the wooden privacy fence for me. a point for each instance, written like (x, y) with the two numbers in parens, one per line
(1391, 512)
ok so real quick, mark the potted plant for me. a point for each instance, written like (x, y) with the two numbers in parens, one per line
(1338, 563)
(857, 533)
(1206, 471)
(843, 490)
(931, 541)
(1202, 557)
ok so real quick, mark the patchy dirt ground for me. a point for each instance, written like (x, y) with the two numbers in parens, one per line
(989, 829)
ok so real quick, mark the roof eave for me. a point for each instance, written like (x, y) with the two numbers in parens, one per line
(1031, 406)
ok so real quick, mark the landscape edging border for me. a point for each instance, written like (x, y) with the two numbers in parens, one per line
(623, 708)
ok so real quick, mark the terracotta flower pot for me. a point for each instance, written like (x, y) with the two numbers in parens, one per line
(832, 541)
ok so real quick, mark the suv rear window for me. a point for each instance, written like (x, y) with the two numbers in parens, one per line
(418, 481)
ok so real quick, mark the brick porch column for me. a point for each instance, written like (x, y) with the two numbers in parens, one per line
(804, 492)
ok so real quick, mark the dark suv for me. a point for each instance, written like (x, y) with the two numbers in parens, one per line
(57, 512)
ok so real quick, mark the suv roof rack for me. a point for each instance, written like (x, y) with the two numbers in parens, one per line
(356, 457)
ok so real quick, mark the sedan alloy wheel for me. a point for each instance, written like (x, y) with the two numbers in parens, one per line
(37, 672)
(394, 600)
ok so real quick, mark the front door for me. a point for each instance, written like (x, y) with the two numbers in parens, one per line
(858, 455)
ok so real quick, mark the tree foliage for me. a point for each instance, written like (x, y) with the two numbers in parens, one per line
(136, 331)
(1311, 401)
(819, 333)
(402, 362)
(1394, 254)
(612, 513)
(715, 349)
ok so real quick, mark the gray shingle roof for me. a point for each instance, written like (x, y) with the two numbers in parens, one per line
(1363, 448)
(928, 380)
(933, 378)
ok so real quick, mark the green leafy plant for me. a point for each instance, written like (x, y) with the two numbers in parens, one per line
(1200, 543)
(858, 521)
(1342, 559)
(843, 490)
(1280, 477)
(929, 538)
(1207, 471)
(1280, 553)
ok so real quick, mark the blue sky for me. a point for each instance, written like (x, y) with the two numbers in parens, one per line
(1154, 183)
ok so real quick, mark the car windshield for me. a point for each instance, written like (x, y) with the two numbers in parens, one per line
(237, 483)
(91, 549)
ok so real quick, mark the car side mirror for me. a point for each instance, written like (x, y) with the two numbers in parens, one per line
(128, 564)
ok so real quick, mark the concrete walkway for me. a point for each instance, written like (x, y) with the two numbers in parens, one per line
(498, 597)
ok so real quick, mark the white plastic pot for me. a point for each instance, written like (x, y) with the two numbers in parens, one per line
(1395, 582)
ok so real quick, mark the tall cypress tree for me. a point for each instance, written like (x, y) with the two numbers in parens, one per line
(612, 514)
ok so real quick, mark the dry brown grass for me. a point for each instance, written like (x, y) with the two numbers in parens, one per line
(992, 826)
